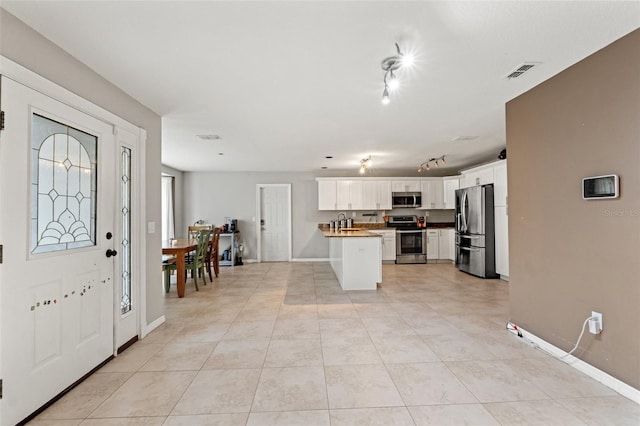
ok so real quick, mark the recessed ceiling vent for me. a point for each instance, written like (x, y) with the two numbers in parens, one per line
(521, 69)
(210, 137)
(464, 138)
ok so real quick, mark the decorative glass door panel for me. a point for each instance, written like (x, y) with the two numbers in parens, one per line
(63, 186)
(125, 245)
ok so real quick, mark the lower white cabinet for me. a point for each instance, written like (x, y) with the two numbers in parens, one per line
(388, 243)
(433, 242)
(441, 244)
(502, 240)
(446, 244)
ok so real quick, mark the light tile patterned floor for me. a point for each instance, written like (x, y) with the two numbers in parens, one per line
(282, 344)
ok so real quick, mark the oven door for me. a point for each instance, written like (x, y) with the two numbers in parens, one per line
(411, 246)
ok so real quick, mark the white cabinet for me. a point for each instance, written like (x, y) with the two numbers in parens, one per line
(384, 195)
(469, 179)
(446, 244)
(327, 195)
(482, 175)
(449, 191)
(433, 251)
(376, 195)
(432, 194)
(500, 184)
(349, 195)
(485, 176)
(388, 243)
(405, 186)
(502, 240)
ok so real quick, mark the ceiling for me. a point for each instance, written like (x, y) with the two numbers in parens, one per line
(286, 84)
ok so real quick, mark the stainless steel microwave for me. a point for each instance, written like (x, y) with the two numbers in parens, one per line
(406, 199)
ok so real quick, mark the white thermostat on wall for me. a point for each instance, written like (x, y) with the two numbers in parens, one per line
(600, 187)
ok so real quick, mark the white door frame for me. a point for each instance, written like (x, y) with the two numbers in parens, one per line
(259, 218)
(28, 78)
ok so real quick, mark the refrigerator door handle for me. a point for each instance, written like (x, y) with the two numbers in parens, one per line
(469, 249)
(469, 236)
(464, 212)
(458, 223)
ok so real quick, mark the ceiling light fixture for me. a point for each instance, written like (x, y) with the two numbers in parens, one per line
(426, 165)
(365, 164)
(391, 64)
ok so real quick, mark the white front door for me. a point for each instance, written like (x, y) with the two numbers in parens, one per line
(275, 223)
(57, 174)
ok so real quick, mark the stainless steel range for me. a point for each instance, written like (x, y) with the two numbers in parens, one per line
(411, 240)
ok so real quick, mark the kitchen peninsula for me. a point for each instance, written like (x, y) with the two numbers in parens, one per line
(356, 257)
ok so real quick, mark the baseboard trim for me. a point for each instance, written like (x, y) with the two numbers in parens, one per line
(622, 388)
(146, 329)
(310, 259)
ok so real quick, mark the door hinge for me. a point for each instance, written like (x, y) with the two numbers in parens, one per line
(1, 120)
(0, 388)
(1, 247)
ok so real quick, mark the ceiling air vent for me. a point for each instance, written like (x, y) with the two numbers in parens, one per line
(521, 69)
(464, 138)
(210, 137)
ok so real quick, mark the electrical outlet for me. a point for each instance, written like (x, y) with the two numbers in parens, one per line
(595, 324)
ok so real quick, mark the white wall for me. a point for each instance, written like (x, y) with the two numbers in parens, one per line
(178, 198)
(23, 45)
(213, 196)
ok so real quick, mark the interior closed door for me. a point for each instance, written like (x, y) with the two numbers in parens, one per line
(56, 210)
(275, 226)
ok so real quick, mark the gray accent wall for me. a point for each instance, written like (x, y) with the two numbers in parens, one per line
(21, 44)
(212, 196)
(569, 256)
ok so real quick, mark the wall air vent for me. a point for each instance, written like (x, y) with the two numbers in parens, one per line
(521, 69)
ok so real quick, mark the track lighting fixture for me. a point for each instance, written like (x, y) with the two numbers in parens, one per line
(426, 165)
(391, 64)
(365, 163)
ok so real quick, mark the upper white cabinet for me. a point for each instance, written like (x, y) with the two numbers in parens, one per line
(432, 194)
(405, 186)
(449, 191)
(481, 175)
(327, 195)
(349, 195)
(376, 194)
(500, 184)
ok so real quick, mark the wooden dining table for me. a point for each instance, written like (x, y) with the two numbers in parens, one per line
(179, 248)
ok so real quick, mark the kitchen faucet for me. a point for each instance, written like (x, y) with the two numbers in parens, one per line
(343, 214)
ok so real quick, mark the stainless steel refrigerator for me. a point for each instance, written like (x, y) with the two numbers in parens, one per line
(475, 240)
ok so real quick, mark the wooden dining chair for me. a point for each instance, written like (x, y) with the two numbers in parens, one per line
(166, 261)
(192, 231)
(213, 254)
(195, 262)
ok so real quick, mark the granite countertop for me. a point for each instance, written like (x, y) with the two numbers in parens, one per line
(347, 234)
(440, 225)
(361, 225)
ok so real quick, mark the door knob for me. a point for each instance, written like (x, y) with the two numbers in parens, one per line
(111, 253)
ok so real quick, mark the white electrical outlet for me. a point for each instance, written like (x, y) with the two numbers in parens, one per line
(595, 323)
